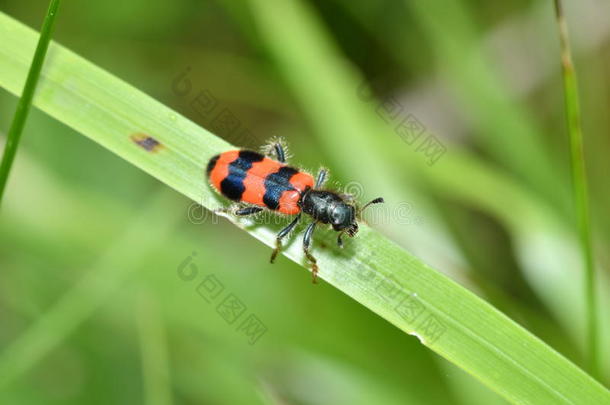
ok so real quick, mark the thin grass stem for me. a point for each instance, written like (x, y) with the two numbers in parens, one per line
(25, 102)
(579, 188)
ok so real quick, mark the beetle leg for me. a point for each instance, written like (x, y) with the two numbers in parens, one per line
(310, 257)
(275, 148)
(279, 152)
(281, 235)
(321, 178)
(242, 212)
(339, 240)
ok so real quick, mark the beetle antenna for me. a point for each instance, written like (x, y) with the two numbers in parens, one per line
(377, 200)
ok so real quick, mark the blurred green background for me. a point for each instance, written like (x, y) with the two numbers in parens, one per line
(92, 249)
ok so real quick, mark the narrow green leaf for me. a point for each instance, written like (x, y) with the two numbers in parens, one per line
(579, 188)
(23, 106)
(374, 271)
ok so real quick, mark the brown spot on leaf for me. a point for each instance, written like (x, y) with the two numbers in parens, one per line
(147, 142)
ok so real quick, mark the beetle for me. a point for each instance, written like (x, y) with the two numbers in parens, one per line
(260, 182)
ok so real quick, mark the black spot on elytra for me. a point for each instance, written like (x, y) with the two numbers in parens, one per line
(275, 184)
(232, 186)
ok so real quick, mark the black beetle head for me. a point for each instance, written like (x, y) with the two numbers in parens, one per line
(343, 218)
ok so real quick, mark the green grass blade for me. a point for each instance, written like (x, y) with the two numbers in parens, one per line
(374, 271)
(23, 106)
(579, 188)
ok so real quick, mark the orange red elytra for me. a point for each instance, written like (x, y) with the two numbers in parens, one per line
(259, 182)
